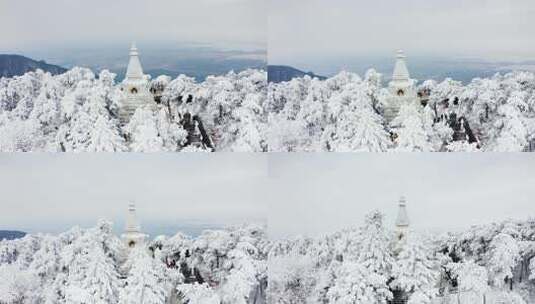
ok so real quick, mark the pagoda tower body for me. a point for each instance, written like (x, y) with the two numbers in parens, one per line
(402, 221)
(135, 87)
(132, 235)
(401, 88)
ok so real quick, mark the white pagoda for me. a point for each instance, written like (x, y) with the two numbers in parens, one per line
(401, 88)
(135, 87)
(402, 221)
(132, 235)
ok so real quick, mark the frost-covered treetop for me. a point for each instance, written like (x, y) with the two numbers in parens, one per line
(78, 111)
(487, 114)
(94, 266)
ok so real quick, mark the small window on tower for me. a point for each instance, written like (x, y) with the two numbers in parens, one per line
(400, 92)
(133, 91)
(131, 244)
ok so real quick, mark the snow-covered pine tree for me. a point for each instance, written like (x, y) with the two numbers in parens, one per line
(356, 127)
(18, 285)
(513, 133)
(291, 278)
(375, 254)
(92, 276)
(104, 137)
(198, 294)
(144, 283)
(370, 135)
(46, 265)
(410, 131)
(172, 134)
(143, 132)
(356, 284)
(472, 277)
(503, 255)
(414, 272)
(311, 118)
(250, 137)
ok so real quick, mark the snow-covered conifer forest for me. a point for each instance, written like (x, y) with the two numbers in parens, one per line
(493, 263)
(78, 112)
(94, 266)
(346, 113)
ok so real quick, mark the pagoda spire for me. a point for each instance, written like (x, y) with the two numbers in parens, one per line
(402, 226)
(402, 220)
(132, 224)
(132, 235)
(401, 88)
(401, 73)
(135, 87)
(134, 70)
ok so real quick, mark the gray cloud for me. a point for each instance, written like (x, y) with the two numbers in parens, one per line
(296, 193)
(322, 193)
(65, 23)
(316, 30)
(51, 192)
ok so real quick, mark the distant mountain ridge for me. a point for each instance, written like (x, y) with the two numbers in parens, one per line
(16, 65)
(11, 234)
(280, 73)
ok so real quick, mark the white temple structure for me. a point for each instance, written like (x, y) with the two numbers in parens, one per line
(132, 235)
(402, 221)
(401, 88)
(135, 87)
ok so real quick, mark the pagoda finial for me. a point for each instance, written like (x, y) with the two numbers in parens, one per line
(402, 218)
(133, 49)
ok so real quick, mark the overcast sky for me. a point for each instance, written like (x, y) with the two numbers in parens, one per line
(316, 30)
(28, 23)
(295, 193)
(52, 192)
(319, 193)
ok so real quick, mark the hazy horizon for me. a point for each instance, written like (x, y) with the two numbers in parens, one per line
(197, 38)
(420, 67)
(327, 37)
(53, 192)
(197, 60)
(293, 194)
